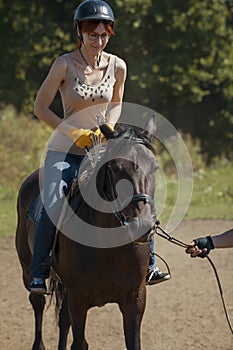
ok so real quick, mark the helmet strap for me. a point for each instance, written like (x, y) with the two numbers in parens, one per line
(79, 32)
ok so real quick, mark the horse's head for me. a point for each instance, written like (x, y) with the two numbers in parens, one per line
(128, 178)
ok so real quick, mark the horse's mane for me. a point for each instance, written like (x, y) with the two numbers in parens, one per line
(135, 133)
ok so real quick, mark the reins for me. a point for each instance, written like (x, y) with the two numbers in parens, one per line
(162, 233)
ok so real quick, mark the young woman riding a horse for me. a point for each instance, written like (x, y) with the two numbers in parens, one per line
(91, 83)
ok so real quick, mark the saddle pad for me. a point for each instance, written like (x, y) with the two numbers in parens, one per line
(35, 208)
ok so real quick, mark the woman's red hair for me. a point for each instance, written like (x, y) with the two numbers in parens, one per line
(89, 27)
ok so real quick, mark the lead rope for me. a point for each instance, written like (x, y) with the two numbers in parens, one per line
(176, 241)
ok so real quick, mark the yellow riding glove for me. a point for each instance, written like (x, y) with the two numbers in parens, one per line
(81, 137)
(97, 133)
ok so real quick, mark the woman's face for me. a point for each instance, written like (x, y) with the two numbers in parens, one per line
(96, 40)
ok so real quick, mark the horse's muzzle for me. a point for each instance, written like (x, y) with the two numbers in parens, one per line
(139, 226)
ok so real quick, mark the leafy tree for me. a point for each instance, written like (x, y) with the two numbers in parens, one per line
(34, 33)
(179, 56)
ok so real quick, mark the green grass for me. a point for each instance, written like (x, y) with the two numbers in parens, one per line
(23, 140)
(212, 195)
(7, 217)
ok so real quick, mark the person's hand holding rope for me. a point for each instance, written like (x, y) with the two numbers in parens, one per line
(200, 247)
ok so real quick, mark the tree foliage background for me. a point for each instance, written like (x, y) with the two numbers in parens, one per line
(179, 56)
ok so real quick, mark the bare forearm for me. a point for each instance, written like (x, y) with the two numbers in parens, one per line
(48, 117)
(224, 240)
(113, 113)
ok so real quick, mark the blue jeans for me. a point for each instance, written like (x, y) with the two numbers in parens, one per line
(152, 256)
(59, 170)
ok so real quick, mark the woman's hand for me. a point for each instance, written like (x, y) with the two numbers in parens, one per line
(81, 137)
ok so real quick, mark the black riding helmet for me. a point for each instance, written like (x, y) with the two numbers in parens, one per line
(93, 10)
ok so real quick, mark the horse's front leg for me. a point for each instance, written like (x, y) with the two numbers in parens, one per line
(78, 311)
(132, 309)
(64, 324)
(38, 304)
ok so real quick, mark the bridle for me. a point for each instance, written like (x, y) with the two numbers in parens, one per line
(118, 204)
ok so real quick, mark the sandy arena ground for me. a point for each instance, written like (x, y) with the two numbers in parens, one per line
(183, 313)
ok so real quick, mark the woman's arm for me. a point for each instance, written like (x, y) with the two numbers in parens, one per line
(114, 109)
(47, 93)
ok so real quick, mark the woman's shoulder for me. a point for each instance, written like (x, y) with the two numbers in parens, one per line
(59, 67)
(63, 59)
(59, 63)
(119, 63)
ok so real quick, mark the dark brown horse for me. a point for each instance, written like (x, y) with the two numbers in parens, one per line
(103, 257)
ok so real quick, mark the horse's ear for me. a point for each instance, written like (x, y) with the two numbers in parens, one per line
(107, 131)
(151, 124)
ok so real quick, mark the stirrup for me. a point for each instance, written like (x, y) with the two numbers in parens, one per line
(38, 285)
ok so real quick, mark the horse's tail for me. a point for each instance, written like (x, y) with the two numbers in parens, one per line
(57, 292)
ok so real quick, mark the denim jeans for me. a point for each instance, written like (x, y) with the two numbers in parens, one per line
(152, 256)
(59, 170)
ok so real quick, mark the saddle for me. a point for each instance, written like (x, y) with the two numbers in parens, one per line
(73, 196)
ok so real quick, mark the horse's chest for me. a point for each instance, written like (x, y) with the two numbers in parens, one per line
(103, 275)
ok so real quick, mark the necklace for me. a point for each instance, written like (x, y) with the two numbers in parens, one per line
(92, 67)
